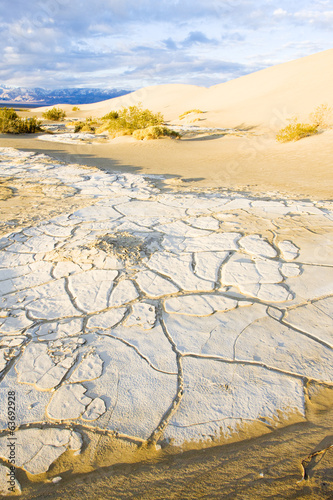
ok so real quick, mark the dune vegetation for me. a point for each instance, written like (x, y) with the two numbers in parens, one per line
(54, 114)
(133, 120)
(136, 121)
(196, 111)
(89, 125)
(155, 132)
(322, 116)
(128, 120)
(296, 131)
(11, 123)
(319, 119)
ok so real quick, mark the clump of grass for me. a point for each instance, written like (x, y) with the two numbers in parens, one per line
(54, 114)
(11, 123)
(127, 120)
(75, 108)
(296, 131)
(197, 111)
(321, 116)
(154, 132)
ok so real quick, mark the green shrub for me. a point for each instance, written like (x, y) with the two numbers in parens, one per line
(83, 127)
(135, 118)
(127, 120)
(8, 113)
(154, 132)
(110, 116)
(90, 125)
(11, 123)
(296, 131)
(54, 114)
(198, 111)
(75, 108)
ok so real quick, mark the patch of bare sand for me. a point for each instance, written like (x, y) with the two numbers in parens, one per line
(256, 164)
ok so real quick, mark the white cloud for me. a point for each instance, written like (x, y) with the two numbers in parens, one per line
(128, 43)
(280, 13)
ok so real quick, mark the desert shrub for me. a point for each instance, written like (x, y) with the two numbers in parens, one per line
(318, 119)
(8, 113)
(296, 131)
(89, 125)
(11, 123)
(134, 118)
(113, 133)
(127, 120)
(75, 108)
(110, 116)
(54, 114)
(154, 132)
(198, 111)
(83, 127)
(321, 116)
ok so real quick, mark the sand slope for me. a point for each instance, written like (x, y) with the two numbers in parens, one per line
(268, 96)
(264, 98)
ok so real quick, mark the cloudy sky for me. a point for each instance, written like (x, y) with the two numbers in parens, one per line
(133, 43)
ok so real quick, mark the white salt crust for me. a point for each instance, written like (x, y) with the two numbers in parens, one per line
(107, 337)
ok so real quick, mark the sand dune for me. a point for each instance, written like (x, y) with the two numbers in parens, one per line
(265, 98)
(255, 161)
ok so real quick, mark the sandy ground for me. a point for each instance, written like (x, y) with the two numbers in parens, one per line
(253, 163)
(265, 98)
(266, 467)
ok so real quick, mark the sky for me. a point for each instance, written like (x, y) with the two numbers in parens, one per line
(129, 44)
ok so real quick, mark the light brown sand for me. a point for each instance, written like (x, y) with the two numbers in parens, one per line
(257, 164)
(265, 98)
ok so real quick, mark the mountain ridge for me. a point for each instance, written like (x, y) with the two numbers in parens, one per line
(46, 97)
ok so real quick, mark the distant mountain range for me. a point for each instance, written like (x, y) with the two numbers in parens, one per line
(44, 97)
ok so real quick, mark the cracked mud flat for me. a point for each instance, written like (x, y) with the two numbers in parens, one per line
(174, 320)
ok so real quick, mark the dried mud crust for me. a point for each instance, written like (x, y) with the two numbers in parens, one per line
(160, 318)
(24, 202)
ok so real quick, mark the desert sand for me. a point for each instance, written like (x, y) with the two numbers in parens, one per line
(205, 265)
(257, 165)
(253, 107)
(263, 99)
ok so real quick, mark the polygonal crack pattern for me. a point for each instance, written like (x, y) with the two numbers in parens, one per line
(159, 316)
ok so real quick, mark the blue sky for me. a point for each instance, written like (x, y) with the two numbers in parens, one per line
(134, 43)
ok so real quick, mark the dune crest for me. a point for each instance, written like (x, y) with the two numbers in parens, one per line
(265, 98)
